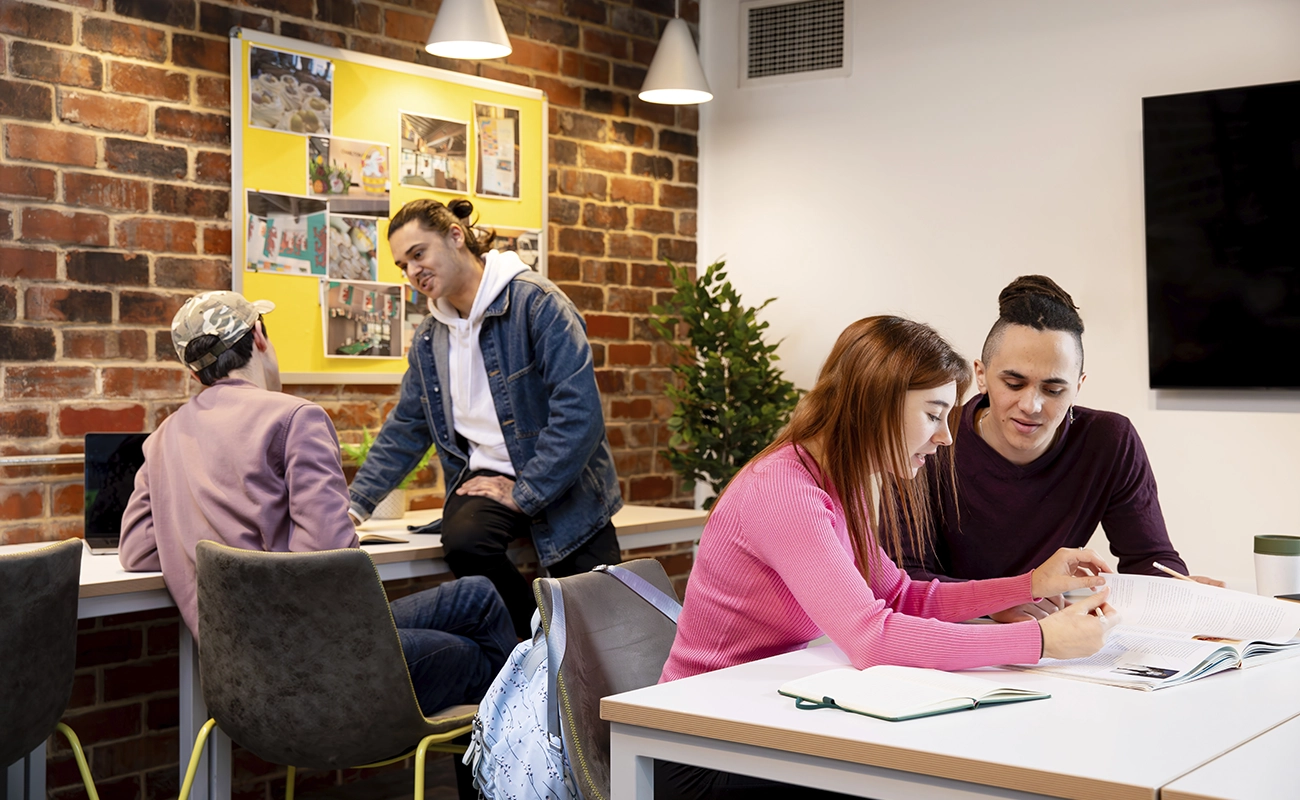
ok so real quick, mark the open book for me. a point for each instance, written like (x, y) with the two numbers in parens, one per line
(380, 538)
(899, 693)
(1172, 632)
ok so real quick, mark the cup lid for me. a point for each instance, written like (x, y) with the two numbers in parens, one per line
(1276, 544)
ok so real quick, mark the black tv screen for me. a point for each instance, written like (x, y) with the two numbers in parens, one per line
(1222, 184)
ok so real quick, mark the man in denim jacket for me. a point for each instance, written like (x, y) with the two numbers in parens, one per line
(501, 381)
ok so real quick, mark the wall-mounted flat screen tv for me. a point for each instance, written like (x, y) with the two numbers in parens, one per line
(1222, 186)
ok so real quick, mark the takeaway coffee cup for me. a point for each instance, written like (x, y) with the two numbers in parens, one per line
(1277, 564)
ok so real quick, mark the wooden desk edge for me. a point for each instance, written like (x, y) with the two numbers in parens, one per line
(1178, 794)
(689, 519)
(379, 556)
(125, 585)
(876, 755)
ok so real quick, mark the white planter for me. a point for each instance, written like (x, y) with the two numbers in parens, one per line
(391, 507)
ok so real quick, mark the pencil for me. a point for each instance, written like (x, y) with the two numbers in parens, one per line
(1169, 571)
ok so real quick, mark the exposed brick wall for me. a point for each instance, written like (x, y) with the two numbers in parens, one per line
(115, 206)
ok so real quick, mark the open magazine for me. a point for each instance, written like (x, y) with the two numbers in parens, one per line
(1171, 632)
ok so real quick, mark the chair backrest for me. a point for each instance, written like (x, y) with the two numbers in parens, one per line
(38, 643)
(299, 657)
(614, 642)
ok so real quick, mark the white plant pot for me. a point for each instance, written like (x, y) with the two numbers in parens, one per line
(391, 507)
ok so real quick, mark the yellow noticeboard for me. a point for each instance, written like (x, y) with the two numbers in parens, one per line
(326, 145)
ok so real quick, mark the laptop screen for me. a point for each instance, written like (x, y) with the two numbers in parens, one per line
(112, 460)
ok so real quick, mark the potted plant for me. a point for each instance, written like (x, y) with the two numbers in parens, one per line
(393, 506)
(731, 400)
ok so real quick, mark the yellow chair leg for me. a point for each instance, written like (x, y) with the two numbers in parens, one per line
(199, 742)
(420, 753)
(288, 782)
(81, 760)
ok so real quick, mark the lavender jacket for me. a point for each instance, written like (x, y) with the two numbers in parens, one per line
(238, 465)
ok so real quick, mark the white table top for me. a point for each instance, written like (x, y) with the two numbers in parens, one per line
(1088, 741)
(102, 575)
(1262, 769)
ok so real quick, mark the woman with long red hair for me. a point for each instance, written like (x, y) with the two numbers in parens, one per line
(805, 540)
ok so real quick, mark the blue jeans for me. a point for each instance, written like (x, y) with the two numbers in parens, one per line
(456, 637)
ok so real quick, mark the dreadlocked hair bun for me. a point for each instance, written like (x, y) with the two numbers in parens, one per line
(1038, 302)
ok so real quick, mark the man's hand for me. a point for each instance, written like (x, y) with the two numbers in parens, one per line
(1068, 569)
(1207, 581)
(497, 487)
(1027, 611)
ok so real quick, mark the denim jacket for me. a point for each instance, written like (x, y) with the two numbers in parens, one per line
(543, 385)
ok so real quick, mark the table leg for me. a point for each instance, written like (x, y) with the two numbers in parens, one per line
(212, 780)
(25, 778)
(631, 776)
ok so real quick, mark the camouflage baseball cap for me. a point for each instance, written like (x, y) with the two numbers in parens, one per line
(226, 315)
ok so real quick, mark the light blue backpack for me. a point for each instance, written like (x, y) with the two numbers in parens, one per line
(516, 749)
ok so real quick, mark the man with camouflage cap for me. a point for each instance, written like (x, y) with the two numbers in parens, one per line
(247, 466)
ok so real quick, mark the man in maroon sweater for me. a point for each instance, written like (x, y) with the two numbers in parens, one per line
(1034, 472)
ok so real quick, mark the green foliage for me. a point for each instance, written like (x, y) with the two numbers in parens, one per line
(731, 399)
(359, 452)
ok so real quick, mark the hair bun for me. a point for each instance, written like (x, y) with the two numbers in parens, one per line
(462, 208)
(1032, 286)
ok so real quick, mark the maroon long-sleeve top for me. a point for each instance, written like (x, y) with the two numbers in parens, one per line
(1008, 519)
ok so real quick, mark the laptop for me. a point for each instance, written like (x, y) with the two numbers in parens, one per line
(112, 459)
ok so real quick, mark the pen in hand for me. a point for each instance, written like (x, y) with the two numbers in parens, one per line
(1169, 571)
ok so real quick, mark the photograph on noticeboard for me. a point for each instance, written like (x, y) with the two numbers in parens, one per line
(289, 92)
(525, 242)
(338, 168)
(434, 154)
(415, 310)
(359, 319)
(496, 130)
(286, 234)
(353, 248)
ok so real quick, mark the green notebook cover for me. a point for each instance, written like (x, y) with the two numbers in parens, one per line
(900, 693)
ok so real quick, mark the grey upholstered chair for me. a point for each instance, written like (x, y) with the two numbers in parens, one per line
(614, 642)
(38, 649)
(301, 664)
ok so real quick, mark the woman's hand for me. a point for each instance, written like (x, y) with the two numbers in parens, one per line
(1068, 569)
(493, 487)
(1074, 632)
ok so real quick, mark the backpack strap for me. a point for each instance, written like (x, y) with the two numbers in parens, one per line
(650, 593)
(555, 645)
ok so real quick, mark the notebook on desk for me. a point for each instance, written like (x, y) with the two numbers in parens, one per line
(112, 459)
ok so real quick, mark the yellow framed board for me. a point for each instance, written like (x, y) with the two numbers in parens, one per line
(326, 145)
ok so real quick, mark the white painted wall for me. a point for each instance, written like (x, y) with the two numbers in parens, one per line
(978, 141)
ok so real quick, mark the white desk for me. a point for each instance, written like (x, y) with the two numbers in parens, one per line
(1262, 769)
(106, 589)
(1086, 742)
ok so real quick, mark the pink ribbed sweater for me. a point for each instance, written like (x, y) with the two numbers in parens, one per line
(776, 570)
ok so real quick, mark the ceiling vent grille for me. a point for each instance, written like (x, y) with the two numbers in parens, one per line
(786, 41)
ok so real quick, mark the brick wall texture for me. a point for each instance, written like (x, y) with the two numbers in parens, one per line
(115, 206)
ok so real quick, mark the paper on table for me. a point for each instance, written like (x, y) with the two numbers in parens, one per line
(1147, 601)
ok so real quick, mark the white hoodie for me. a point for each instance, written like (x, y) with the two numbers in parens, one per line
(474, 416)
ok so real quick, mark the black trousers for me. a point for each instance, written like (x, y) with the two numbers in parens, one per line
(680, 782)
(475, 534)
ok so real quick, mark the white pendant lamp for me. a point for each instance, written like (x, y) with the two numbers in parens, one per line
(675, 76)
(469, 29)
